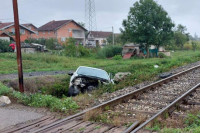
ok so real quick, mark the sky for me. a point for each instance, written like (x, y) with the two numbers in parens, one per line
(108, 12)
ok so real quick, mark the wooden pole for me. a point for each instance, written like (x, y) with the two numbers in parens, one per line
(18, 45)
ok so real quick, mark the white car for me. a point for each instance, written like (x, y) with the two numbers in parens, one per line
(87, 79)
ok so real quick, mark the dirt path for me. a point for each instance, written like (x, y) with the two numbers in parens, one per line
(30, 74)
(16, 113)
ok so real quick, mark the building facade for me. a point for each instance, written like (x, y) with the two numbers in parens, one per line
(9, 28)
(95, 38)
(62, 30)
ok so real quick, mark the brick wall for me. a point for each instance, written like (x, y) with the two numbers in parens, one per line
(23, 37)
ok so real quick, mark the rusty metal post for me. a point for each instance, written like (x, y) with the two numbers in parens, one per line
(17, 39)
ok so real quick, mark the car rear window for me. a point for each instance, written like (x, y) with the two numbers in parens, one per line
(93, 72)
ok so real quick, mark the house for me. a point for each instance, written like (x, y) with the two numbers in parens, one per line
(98, 38)
(9, 28)
(5, 36)
(61, 30)
(31, 27)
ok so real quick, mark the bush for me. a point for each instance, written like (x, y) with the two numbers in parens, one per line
(161, 55)
(73, 50)
(4, 46)
(4, 90)
(58, 89)
(109, 51)
(117, 57)
(187, 46)
(76, 51)
(39, 100)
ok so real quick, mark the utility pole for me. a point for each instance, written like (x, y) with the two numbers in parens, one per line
(18, 45)
(113, 35)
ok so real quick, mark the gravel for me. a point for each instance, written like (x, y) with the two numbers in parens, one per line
(152, 102)
(108, 96)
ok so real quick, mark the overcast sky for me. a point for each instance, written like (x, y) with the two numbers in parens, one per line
(108, 12)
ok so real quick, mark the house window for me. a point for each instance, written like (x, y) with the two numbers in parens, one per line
(43, 32)
(70, 30)
(63, 39)
(22, 31)
(49, 32)
(13, 30)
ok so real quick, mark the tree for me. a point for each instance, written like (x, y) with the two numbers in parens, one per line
(147, 24)
(117, 37)
(181, 28)
(180, 36)
(4, 46)
(194, 45)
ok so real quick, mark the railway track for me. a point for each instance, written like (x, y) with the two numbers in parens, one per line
(139, 107)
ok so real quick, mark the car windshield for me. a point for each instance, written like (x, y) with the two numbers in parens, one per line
(87, 71)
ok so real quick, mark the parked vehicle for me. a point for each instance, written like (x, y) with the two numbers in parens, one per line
(86, 79)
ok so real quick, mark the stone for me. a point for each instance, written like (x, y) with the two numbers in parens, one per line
(4, 100)
(120, 76)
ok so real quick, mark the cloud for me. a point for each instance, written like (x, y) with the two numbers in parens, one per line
(108, 12)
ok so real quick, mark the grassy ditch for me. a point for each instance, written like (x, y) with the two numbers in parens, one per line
(66, 105)
(141, 69)
(191, 124)
(50, 62)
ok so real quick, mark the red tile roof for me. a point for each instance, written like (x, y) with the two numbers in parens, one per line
(100, 34)
(2, 25)
(29, 24)
(54, 25)
(8, 24)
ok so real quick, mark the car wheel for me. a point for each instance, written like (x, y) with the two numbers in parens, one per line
(73, 91)
(90, 88)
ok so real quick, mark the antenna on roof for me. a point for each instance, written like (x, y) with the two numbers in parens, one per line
(90, 15)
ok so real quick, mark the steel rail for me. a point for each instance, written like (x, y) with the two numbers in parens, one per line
(179, 99)
(118, 100)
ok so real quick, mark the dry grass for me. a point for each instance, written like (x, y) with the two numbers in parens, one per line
(33, 85)
(84, 100)
(92, 115)
(117, 121)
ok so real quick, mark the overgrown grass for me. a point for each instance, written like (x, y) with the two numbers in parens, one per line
(38, 100)
(141, 69)
(48, 62)
(192, 125)
(109, 51)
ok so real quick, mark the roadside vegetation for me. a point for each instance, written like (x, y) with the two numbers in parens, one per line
(139, 28)
(191, 124)
(66, 105)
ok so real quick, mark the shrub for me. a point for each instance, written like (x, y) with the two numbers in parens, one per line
(187, 46)
(4, 90)
(4, 46)
(59, 89)
(117, 57)
(76, 51)
(109, 51)
(39, 100)
(161, 55)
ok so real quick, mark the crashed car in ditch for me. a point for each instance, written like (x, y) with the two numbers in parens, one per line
(86, 79)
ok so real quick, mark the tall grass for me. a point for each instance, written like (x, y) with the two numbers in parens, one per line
(109, 51)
